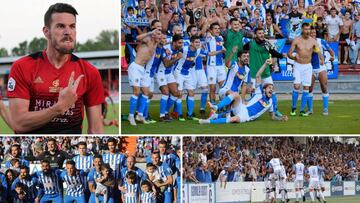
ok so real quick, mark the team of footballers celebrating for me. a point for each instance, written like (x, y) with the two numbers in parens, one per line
(275, 161)
(276, 173)
(95, 173)
(176, 63)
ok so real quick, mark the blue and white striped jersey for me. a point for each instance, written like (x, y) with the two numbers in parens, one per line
(169, 53)
(114, 160)
(236, 76)
(141, 175)
(324, 46)
(147, 197)
(75, 183)
(49, 184)
(152, 66)
(299, 170)
(314, 172)
(23, 162)
(30, 184)
(215, 44)
(132, 193)
(188, 60)
(258, 104)
(83, 162)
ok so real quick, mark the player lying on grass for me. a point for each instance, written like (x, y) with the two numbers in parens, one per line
(244, 111)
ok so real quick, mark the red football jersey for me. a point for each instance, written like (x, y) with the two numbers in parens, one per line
(35, 79)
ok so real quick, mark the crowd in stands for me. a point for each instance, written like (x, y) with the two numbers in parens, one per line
(210, 159)
(88, 169)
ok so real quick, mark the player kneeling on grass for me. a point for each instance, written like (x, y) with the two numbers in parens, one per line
(247, 110)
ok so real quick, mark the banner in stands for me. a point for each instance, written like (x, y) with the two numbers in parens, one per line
(286, 64)
(337, 188)
(136, 21)
(201, 193)
(349, 188)
(357, 187)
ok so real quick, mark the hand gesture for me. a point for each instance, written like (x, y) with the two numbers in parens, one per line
(68, 96)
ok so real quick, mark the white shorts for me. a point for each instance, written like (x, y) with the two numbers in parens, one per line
(299, 183)
(322, 184)
(318, 70)
(184, 81)
(314, 184)
(241, 111)
(160, 78)
(215, 74)
(222, 91)
(199, 78)
(136, 73)
(267, 80)
(302, 74)
(148, 82)
(170, 78)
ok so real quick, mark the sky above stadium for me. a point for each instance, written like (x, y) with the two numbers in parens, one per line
(23, 20)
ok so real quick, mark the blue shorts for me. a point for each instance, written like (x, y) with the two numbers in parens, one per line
(101, 198)
(56, 198)
(71, 199)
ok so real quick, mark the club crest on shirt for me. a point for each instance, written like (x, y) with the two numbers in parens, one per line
(55, 86)
(11, 84)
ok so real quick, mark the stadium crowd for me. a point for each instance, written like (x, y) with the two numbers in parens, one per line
(89, 169)
(237, 159)
(203, 44)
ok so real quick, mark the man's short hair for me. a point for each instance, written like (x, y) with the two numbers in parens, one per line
(241, 52)
(45, 161)
(130, 8)
(70, 162)
(111, 139)
(153, 22)
(305, 25)
(214, 24)
(188, 29)
(130, 175)
(98, 156)
(24, 167)
(175, 39)
(82, 143)
(58, 8)
(146, 182)
(258, 29)
(150, 165)
(233, 19)
(52, 140)
(187, 3)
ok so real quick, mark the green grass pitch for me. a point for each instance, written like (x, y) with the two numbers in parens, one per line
(4, 129)
(343, 118)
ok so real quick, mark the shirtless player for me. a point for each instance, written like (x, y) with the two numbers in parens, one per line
(302, 72)
(145, 50)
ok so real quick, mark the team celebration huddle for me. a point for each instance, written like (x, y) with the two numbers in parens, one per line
(225, 60)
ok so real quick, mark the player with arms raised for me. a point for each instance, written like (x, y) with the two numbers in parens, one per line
(136, 70)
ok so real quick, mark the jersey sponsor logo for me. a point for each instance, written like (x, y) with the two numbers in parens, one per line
(190, 58)
(55, 87)
(11, 84)
(263, 103)
(38, 80)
